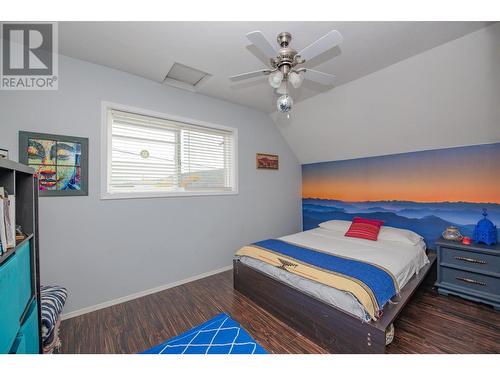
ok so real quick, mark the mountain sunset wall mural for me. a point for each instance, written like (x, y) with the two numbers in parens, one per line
(424, 191)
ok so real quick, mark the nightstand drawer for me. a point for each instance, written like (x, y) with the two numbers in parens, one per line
(470, 280)
(472, 260)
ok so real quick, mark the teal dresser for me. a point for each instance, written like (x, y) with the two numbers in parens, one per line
(19, 267)
(469, 271)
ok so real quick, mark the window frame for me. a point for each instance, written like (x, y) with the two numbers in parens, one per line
(105, 155)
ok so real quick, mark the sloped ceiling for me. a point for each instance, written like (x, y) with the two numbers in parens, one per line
(445, 97)
(149, 49)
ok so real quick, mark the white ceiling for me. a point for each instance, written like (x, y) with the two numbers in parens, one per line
(444, 97)
(149, 49)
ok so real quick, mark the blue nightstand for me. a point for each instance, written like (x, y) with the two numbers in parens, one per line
(469, 271)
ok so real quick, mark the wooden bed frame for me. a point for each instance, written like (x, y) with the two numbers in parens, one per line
(332, 328)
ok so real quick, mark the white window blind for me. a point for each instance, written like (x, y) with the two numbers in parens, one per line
(151, 154)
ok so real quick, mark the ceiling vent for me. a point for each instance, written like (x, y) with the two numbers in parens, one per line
(185, 77)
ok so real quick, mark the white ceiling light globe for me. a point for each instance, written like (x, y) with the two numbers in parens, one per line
(284, 103)
(275, 79)
(296, 79)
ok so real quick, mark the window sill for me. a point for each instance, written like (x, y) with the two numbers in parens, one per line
(145, 195)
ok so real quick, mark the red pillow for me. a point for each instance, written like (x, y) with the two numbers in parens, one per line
(368, 221)
(364, 228)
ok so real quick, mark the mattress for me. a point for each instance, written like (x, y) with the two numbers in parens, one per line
(403, 260)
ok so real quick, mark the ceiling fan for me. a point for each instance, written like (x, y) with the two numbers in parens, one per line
(285, 62)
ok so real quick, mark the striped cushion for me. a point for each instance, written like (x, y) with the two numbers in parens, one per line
(52, 302)
(364, 228)
(379, 223)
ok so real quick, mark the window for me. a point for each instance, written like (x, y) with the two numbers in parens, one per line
(150, 156)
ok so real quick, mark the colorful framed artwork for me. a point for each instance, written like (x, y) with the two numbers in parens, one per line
(267, 161)
(60, 162)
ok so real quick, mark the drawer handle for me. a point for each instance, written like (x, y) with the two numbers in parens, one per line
(471, 260)
(471, 281)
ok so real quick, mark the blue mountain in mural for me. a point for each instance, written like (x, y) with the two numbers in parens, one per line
(427, 219)
(319, 208)
(427, 190)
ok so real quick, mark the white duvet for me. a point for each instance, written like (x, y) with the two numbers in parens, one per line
(403, 260)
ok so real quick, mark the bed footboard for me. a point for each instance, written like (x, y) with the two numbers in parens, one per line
(330, 327)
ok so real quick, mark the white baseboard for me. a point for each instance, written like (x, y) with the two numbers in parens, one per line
(130, 297)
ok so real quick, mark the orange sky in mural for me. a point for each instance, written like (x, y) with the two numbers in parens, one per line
(469, 174)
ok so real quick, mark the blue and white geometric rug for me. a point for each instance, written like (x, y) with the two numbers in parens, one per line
(219, 335)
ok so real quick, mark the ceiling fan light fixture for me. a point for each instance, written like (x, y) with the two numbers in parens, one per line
(296, 79)
(284, 61)
(275, 79)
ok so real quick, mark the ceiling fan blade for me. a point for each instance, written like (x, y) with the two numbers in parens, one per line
(323, 44)
(320, 77)
(257, 73)
(260, 41)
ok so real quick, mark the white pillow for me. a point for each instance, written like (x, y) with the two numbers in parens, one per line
(337, 225)
(399, 235)
(386, 233)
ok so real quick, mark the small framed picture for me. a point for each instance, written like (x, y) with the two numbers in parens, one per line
(267, 161)
(4, 154)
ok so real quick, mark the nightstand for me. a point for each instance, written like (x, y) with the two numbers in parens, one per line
(469, 271)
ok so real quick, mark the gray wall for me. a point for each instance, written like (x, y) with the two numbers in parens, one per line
(105, 249)
(447, 96)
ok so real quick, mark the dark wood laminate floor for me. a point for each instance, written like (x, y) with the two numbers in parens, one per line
(429, 324)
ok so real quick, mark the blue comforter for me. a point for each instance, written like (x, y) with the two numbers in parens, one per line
(378, 283)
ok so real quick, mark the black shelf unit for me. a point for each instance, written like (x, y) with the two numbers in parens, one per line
(19, 180)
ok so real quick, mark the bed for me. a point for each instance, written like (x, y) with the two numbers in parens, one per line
(339, 320)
